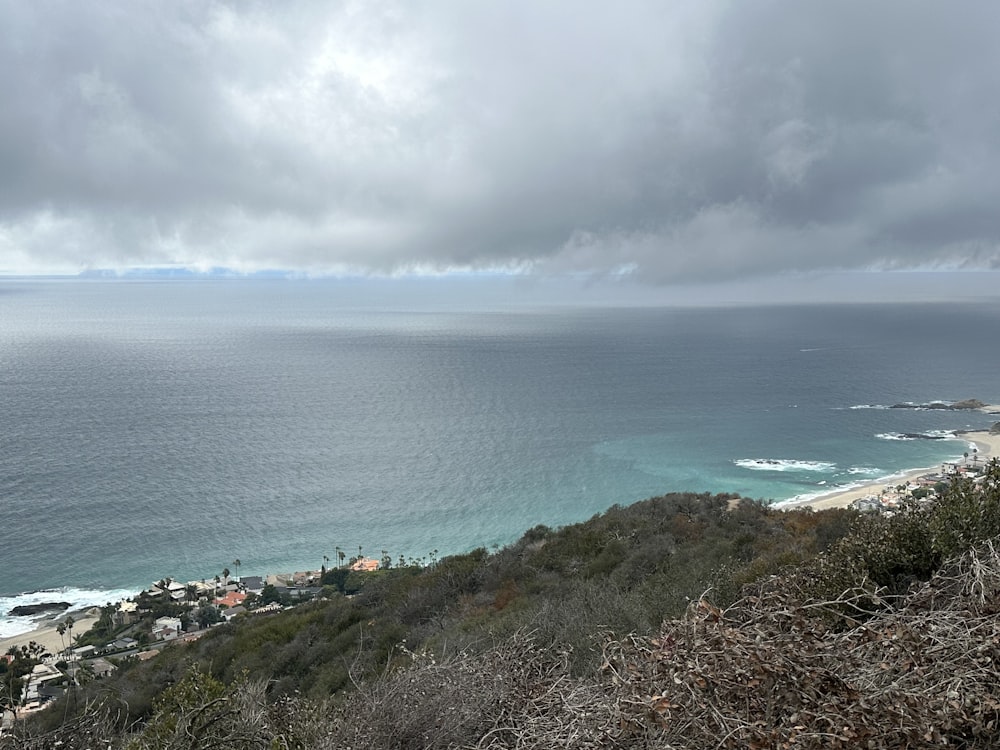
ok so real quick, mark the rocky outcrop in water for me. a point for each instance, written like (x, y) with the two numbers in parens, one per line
(27, 610)
(969, 404)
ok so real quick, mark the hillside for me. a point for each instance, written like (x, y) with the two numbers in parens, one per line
(682, 621)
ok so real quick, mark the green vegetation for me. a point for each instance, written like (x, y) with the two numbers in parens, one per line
(567, 634)
(15, 669)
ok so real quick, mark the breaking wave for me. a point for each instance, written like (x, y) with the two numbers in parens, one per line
(77, 599)
(869, 471)
(782, 464)
(929, 435)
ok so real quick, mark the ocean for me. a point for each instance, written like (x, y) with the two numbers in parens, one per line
(168, 428)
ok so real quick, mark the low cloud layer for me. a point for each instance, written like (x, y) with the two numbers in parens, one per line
(669, 142)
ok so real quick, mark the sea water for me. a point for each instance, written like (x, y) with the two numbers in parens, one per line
(152, 429)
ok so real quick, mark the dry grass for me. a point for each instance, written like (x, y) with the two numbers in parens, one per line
(771, 672)
(514, 695)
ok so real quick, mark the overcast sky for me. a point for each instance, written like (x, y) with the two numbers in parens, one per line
(668, 142)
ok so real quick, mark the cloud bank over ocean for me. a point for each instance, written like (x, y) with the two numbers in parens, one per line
(669, 144)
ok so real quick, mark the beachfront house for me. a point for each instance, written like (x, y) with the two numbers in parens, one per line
(126, 613)
(177, 591)
(203, 589)
(252, 584)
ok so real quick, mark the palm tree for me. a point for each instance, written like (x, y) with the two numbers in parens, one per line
(236, 564)
(61, 630)
(225, 575)
(340, 557)
(325, 561)
(69, 622)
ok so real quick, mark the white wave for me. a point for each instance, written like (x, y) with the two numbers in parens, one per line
(928, 435)
(833, 489)
(876, 483)
(782, 464)
(866, 470)
(76, 598)
(926, 406)
(869, 406)
(941, 434)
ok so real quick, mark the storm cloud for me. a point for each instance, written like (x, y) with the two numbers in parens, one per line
(668, 142)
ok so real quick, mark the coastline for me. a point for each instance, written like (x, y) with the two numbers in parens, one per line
(44, 630)
(988, 444)
(46, 635)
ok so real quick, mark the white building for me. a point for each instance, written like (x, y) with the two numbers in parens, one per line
(167, 628)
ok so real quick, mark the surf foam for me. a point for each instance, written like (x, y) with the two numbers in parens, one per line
(77, 599)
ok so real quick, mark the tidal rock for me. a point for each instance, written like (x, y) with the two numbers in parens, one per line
(968, 404)
(26, 610)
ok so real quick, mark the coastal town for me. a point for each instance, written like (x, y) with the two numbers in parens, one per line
(71, 648)
(922, 487)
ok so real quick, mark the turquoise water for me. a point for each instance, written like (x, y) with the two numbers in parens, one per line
(155, 429)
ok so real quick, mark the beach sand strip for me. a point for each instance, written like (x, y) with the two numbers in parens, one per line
(988, 444)
(48, 637)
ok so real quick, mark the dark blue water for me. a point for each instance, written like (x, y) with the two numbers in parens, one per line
(151, 429)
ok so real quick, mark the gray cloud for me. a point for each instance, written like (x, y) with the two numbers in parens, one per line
(668, 142)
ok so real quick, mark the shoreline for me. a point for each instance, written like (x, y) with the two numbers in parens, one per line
(46, 635)
(988, 444)
(44, 631)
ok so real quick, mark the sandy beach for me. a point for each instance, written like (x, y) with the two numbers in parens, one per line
(48, 637)
(988, 444)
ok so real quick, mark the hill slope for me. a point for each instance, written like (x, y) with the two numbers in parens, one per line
(810, 629)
